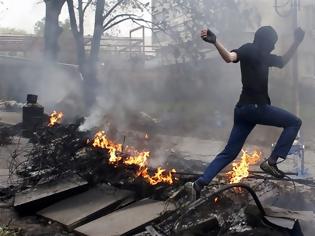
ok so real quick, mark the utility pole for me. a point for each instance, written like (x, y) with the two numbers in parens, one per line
(295, 70)
(298, 147)
(292, 13)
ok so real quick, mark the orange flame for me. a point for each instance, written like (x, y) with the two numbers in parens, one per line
(160, 176)
(240, 169)
(101, 141)
(136, 158)
(146, 136)
(216, 200)
(55, 118)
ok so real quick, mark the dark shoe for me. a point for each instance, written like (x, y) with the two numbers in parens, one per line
(272, 170)
(192, 192)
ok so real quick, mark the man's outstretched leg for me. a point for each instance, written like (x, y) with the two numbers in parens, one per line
(291, 124)
(235, 143)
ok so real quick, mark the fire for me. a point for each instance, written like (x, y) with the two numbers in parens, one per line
(55, 118)
(216, 200)
(101, 141)
(240, 169)
(135, 158)
(146, 136)
(160, 176)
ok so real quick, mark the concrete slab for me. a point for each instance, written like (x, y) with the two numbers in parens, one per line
(82, 208)
(289, 214)
(283, 222)
(124, 220)
(46, 194)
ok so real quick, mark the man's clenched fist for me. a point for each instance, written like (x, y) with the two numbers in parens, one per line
(208, 36)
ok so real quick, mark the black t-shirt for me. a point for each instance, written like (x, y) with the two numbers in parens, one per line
(255, 69)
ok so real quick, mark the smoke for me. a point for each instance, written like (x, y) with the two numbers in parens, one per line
(52, 83)
(185, 89)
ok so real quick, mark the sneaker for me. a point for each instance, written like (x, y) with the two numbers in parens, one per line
(272, 170)
(192, 192)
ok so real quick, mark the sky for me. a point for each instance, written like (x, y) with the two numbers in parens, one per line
(23, 14)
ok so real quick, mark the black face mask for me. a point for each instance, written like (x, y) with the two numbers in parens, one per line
(265, 39)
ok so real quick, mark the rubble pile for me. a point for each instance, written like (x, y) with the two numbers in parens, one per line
(59, 151)
(231, 212)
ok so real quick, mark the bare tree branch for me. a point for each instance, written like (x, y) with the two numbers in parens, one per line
(81, 17)
(135, 20)
(86, 6)
(112, 9)
(144, 5)
(73, 21)
(116, 23)
(115, 17)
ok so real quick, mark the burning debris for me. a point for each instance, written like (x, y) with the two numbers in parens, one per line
(132, 157)
(240, 169)
(55, 118)
(60, 150)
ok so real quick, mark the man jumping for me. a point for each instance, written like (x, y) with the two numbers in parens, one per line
(254, 106)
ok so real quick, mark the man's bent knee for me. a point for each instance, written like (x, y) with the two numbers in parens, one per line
(298, 122)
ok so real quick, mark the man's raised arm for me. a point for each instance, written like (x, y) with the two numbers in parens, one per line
(298, 38)
(208, 36)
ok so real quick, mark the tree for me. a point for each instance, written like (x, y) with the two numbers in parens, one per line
(107, 15)
(39, 27)
(52, 29)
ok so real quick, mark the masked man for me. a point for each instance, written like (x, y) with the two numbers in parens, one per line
(254, 106)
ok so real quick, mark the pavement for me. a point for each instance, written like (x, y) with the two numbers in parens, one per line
(205, 150)
(11, 118)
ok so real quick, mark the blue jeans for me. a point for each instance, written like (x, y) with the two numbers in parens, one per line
(245, 119)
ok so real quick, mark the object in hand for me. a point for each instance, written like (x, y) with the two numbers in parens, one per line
(208, 36)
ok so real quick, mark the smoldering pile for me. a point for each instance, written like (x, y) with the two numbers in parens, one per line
(62, 150)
